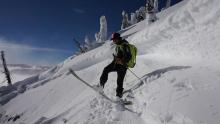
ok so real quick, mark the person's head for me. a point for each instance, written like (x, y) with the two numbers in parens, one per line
(116, 37)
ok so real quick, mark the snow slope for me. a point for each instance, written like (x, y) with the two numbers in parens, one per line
(178, 59)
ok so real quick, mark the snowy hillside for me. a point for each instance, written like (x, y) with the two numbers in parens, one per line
(178, 60)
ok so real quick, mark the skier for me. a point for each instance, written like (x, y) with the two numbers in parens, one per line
(121, 57)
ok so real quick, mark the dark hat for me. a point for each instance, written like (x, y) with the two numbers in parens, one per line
(115, 36)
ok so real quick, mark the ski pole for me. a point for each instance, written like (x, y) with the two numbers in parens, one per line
(136, 85)
(135, 74)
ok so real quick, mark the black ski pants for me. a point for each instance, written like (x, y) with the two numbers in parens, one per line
(121, 71)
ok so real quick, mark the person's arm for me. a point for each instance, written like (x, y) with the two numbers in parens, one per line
(119, 57)
(127, 53)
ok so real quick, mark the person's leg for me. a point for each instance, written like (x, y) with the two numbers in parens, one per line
(104, 76)
(121, 71)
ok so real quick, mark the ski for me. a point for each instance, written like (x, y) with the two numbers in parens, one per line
(87, 84)
(102, 94)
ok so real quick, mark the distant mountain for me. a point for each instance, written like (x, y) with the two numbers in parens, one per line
(21, 71)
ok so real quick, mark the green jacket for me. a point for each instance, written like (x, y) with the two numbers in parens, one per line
(122, 51)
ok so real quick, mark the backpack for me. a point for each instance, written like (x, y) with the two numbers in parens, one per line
(131, 55)
(133, 50)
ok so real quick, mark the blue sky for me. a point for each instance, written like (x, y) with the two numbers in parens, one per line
(41, 31)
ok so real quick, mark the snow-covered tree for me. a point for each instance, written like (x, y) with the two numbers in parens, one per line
(79, 45)
(137, 14)
(151, 14)
(150, 5)
(6, 71)
(102, 34)
(88, 43)
(87, 40)
(133, 18)
(142, 12)
(156, 6)
(125, 21)
(168, 3)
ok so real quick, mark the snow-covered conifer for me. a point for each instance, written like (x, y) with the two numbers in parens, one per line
(102, 34)
(168, 3)
(156, 6)
(149, 5)
(88, 43)
(125, 21)
(142, 12)
(151, 14)
(133, 18)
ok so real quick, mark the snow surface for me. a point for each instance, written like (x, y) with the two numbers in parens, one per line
(178, 59)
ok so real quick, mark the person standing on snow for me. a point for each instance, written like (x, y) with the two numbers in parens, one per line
(121, 57)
